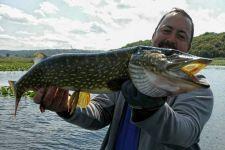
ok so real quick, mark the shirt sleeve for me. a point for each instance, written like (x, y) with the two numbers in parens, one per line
(97, 114)
(181, 123)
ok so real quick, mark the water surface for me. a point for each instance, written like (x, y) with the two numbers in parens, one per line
(33, 130)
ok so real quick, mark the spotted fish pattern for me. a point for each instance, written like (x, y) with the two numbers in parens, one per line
(105, 71)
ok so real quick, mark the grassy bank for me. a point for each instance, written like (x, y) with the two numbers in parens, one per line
(218, 61)
(20, 64)
(15, 63)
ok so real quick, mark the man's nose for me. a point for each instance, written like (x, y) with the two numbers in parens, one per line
(172, 38)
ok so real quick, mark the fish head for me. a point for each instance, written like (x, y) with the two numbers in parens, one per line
(166, 72)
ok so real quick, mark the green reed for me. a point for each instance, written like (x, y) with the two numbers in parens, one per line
(15, 64)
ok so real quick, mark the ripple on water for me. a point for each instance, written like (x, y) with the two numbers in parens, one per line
(33, 130)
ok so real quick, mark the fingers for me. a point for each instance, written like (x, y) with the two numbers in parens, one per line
(60, 99)
(49, 97)
(128, 88)
(39, 94)
(53, 98)
(63, 105)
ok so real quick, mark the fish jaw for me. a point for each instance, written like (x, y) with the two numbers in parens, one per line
(187, 69)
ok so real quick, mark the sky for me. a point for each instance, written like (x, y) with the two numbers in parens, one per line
(95, 24)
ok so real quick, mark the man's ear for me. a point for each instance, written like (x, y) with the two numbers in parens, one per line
(153, 35)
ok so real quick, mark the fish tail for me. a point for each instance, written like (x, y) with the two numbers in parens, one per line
(13, 88)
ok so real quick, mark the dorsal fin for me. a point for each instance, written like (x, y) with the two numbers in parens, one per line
(39, 56)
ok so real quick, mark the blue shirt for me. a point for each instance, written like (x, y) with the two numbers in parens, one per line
(128, 133)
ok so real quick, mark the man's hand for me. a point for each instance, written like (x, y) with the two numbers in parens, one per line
(143, 106)
(138, 100)
(53, 98)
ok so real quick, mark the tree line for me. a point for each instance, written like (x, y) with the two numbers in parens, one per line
(209, 45)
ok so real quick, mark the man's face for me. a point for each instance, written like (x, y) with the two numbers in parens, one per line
(173, 32)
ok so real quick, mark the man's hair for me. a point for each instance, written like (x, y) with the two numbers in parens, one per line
(182, 12)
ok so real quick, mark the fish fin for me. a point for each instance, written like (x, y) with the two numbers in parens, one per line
(12, 86)
(193, 68)
(84, 99)
(72, 102)
(38, 57)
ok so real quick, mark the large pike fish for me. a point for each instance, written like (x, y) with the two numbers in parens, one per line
(154, 71)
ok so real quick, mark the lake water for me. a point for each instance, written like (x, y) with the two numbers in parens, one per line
(33, 130)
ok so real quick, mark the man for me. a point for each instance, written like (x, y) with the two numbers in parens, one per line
(136, 120)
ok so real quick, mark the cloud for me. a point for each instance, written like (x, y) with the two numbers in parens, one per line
(9, 42)
(97, 29)
(106, 13)
(16, 15)
(80, 32)
(122, 21)
(87, 4)
(5, 36)
(24, 33)
(98, 24)
(47, 40)
(1, 29)
(64, 25)
(47, 8)
(208, 20)
(123, 6)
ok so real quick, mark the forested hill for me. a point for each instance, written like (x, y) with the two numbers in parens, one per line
(206, 45)
(209, 45)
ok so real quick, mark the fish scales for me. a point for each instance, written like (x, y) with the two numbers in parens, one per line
(154, 71)
(75, 71)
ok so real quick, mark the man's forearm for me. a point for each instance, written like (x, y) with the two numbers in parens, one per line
(96, 115)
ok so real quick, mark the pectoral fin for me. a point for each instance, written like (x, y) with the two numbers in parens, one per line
(80, 99)
(72, 102)
(84, 99)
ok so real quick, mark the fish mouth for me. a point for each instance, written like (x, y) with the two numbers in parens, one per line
(194, 67)
(189, 68)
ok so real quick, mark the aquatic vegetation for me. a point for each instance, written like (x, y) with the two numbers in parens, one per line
(15, 64)
(7, 91)
(218, 61)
